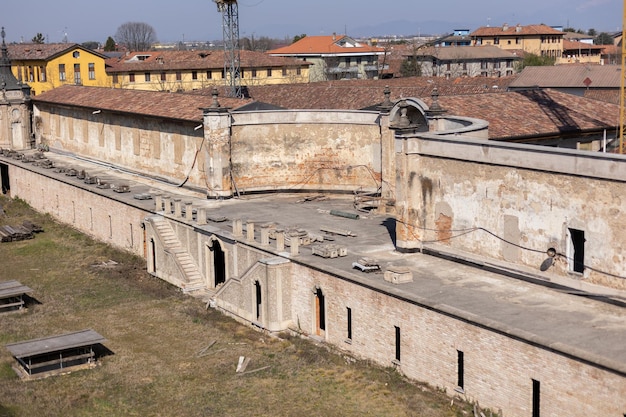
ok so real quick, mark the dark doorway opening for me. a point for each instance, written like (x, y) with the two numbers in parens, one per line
(578, 250)
(219, 265)
(4, 174)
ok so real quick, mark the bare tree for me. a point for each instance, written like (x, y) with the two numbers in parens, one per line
(136, 36)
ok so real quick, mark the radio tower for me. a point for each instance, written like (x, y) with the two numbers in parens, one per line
(230, 35)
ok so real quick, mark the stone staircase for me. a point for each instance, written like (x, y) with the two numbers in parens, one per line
(191, 280)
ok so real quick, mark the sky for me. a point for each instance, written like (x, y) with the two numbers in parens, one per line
(199, 20)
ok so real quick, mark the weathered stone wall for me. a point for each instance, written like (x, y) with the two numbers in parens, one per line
(255, 151)
(162, 149)
(102, 218)
(512, 202)
(315, 150)
(499, 367)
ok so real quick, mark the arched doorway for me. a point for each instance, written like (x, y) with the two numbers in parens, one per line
(219, 264)
(320, 312)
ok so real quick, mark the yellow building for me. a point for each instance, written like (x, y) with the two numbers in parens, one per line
(540, 40)
(194, 70)
(50, 65)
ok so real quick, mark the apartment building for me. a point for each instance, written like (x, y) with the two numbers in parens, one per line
(540, 39)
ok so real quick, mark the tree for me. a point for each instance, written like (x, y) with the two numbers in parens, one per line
(136, 36)
(532, 60)
(603, 38)
(110, 45)
(91, 45)
(592, 32)
(38, 38)
(298, 37)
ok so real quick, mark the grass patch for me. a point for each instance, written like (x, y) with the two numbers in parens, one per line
(156, 335)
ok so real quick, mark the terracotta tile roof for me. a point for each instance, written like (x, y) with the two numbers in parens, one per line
(506, 30)
(149, 103)
(42, 51)
(519, 114)
(608, 96)
(194, 60)
(511, 115)
(569, 45)
(320, 45)
(361, 94)
(569, 76)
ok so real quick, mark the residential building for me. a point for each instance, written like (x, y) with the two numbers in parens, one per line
(168, 70)
(44, 66)
(575, 52)
(460, 37)
(336, 57)
(540, 40)
(469, 61)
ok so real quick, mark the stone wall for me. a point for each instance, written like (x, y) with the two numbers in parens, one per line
(512, 203)
(102, 218)
(498, 367)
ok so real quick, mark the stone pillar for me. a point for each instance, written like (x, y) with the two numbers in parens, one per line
(201, 216)
(280, 240)
(265, 235)
(294, 245)
(216, 159)
(250, 231)
(188, 211)
(178, 209)
(237, 228)
(158, 202)
(167, 204)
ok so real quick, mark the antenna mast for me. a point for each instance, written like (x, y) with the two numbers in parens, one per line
(230, 35)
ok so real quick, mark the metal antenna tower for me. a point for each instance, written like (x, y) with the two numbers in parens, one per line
(230, 34)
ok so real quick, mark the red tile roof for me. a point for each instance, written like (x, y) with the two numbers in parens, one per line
(194, 60)
(360, 94)
(506, 30)
(532, 112)
(511, 115)
(320, 45)
(149, 103)
(42, 51)
(576, 46)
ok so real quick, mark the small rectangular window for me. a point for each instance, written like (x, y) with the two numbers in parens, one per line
(209, 75)
(254, 73)
(62, 72)
(536, 399)
(284, 72)
(163, 76)
(397, 343)
(77, 74)
(179, 76)
(298, 71)
(349, 313)
(147, 77)
(194, 75)
(92, 70)
(269, 72)
(460, 369)
(131, 77)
